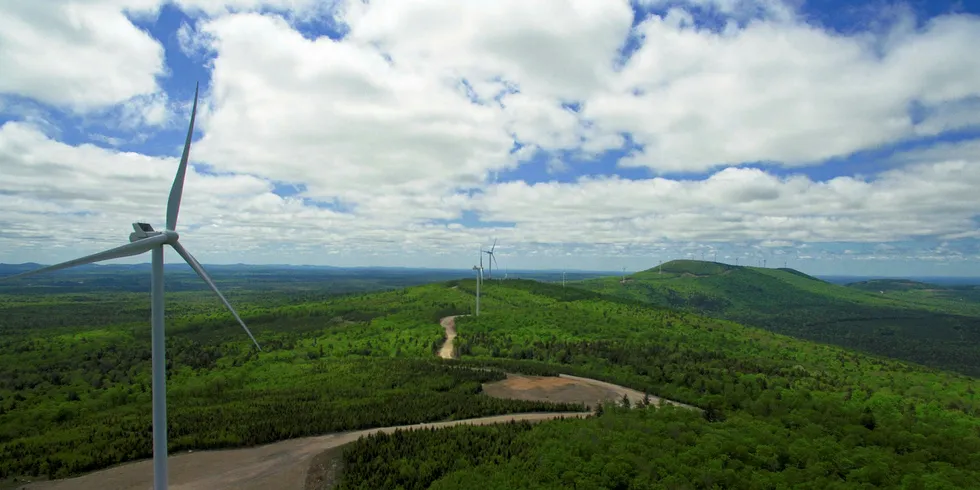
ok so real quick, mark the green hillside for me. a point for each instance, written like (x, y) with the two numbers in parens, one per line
(778, 412)
(879, 285)
(939, 331)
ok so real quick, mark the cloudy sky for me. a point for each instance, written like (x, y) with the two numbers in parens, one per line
(831, 136)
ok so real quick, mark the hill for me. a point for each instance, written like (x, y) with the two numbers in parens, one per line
(777, 411)
(881, 285)
(937, 331)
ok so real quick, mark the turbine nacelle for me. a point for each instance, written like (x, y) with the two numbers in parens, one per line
(142, 231)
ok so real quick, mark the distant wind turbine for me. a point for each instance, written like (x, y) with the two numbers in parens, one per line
(146, 239)
(493, 258)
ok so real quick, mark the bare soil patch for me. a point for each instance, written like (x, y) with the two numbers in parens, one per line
(325, 470)
(565, 388)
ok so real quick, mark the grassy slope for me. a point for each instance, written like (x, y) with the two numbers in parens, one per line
(935, 331)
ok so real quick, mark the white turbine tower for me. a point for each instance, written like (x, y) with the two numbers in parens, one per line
(146, 239)
(479, 278)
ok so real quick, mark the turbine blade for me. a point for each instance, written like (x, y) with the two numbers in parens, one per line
(126, 250)
(494, 257)
(191, 261)
(173, 204)
(494, 245)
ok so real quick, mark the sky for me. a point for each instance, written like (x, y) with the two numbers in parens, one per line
(830, 136)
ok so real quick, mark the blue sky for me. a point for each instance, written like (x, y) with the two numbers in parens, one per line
(834, 137)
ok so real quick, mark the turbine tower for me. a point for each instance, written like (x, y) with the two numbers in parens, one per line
(492, 260)
(146, 239)
(479, 278)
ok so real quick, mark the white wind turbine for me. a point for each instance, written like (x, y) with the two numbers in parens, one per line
(479, 278)
(490, 261)
(146, 239)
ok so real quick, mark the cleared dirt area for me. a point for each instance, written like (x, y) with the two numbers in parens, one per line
(565, 388)
(282, 465)
(448, 323)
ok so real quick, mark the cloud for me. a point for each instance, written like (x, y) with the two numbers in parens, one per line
(79, 56)
(339, 118)
(921, 199)
(781, 92)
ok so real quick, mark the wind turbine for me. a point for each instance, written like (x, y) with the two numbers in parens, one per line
(479, 279)
(146, 239)
(492, 260)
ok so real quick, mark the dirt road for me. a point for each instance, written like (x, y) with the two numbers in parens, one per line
(564, 388)
(449, 323)
(282, 465)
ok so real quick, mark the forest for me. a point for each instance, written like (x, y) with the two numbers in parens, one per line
(935, 326)
(777, 411)
(75, 393)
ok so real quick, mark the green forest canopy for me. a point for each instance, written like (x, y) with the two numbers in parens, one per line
(74, 378)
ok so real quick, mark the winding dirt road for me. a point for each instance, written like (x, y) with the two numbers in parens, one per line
(286, 464)
(563, 388)
(448, 323)
(281, 465)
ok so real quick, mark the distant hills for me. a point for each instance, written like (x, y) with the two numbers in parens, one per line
(878, 285)
(923, 323)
